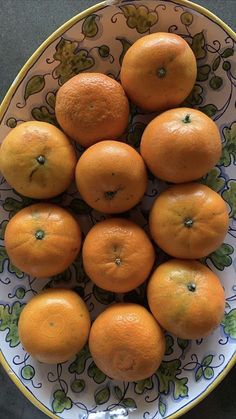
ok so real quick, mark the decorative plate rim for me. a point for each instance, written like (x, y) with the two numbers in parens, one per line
(3, 108)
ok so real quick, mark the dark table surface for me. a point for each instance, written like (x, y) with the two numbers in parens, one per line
(24, 25)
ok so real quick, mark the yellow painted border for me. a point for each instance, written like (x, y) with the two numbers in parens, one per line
(3, 108)
(23, 389)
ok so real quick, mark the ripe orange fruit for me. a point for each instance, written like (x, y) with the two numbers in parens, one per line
(54, 325)
(111, 176)
(181, 145)
(117, 255)
(91, 107)
(126, 342)
(186, 298)
(37, 160)
(42, 239)
(158, 71)
(189, 220)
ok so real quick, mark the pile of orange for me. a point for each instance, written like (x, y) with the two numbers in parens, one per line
(188, 220)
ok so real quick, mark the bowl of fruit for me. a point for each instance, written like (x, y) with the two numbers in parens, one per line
(117, 162)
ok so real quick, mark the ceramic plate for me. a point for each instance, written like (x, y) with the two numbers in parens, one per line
(96, 40)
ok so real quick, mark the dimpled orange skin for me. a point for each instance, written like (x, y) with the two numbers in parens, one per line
(91, 107)
(189, 220)
(111, 176)
(54, 325)
(20, 150)
(42, 239)
(186, 298)
(117, 255)
(126, 342)
(158, 71)
(181, 145)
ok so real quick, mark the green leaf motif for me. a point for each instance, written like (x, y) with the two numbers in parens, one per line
(229, 324)
(44, 115)
(226, 65)
(162, 408)
(81, 274)
(129, 403)
(11, 122)
(95, 373)
(229, 145)
(125, 46)
(186, 18)
(20, 293)
(34, 85)
(203, 72)
(167, 376)
(139, 17)
(183, 343)
(216, 63)
(169, 344)
(181, 390)
(59, 279)
(77, 386)
(104, 51)
(214, 180)
(80, 207)
(195, 97)
(51, 99)
(61, 401)
(207, 360)
(228, 52)
(3, 257)
(210, 109)
(208, 373)
(221, 258)
(72, 60)
(216, 82)
(65, 277)
(135, 135)
(12, 205)
(102, 396)
(9, 317)
(229, 196)
(28, 372)
(13, 269)
(137, 296)
(198, 44)
(118, 393)
(141, 386)
(102, 296)
(198, 373)
(78, 366)
(90, 27)
(3, 228)
(62, 277)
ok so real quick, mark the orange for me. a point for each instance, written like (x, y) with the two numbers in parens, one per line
(158, 71)
(126, 342)
(189, 220)
(117, 255)
(186, 298)
(54, 325)
(111, 176)
(37, 160)
(91, 107)
(181, 145)
(42, 239)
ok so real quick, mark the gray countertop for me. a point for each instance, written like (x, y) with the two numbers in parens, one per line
(24, 25)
